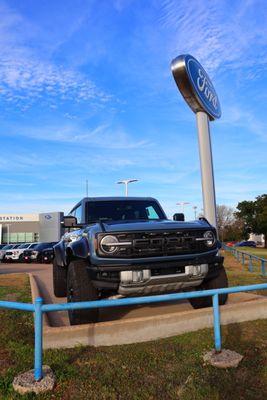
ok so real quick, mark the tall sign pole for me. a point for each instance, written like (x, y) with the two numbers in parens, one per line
(199, 93)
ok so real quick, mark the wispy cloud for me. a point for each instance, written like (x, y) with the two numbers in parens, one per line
(26, 76)
(218, 39)
(103, 136)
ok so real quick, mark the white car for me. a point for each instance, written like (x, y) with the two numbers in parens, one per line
(16, 254)
(5, 248)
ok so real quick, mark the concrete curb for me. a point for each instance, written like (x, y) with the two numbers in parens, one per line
(143, 329)
(36, 293)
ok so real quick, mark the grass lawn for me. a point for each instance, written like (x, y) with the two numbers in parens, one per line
(164, 369)
(259, 251)
(240, 275)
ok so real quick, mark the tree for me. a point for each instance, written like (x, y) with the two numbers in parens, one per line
(225, 217)
(229, 227)
(254, 216)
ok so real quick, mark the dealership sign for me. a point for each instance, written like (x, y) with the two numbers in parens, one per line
(19, 218)
(195, 86)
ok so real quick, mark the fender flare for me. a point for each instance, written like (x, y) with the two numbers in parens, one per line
(60, 254)
(78, 249)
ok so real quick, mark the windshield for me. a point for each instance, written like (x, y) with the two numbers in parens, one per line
(24, 246)
(7, 247)
(42, 246)
(123, 210)
(33, 245)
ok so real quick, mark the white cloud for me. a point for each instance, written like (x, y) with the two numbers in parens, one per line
(26, 75)
(221, 35)
(103, 136)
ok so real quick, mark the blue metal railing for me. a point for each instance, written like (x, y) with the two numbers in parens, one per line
(38, 308)
(244, 257)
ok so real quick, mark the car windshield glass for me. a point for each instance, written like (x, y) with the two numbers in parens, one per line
(23, 246)
(123, 210)
(33, 245)
(42, 246)
(7, 247)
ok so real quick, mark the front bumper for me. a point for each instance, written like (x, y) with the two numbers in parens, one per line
(11, 258)
(149, 284)
(161, 277)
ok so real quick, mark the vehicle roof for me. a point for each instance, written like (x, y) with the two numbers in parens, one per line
(112, 198)
(116, 198)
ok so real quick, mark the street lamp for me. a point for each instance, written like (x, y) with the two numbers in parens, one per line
(182, 204)
(126, 183)
(195, 211)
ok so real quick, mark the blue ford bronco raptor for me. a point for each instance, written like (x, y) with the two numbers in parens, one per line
(127, 246)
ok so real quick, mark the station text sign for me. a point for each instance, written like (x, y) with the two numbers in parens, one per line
(4, 218)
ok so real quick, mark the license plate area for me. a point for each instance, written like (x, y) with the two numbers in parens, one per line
(168, 271)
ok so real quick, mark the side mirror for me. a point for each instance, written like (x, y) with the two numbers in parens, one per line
(69, 221)
(178, 217)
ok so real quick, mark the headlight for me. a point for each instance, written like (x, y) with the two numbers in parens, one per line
(108, 244)
(210, 238)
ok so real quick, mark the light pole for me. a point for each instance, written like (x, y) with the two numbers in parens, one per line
(182, 204)
(126, 183)
(195, 211)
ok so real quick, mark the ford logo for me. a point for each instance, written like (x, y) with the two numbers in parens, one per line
(48, 216)
(195, 85)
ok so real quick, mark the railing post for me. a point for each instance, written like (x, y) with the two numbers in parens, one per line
(38, 339)
(243, 259)
(250, 264)
(263, 267)
(216, 323)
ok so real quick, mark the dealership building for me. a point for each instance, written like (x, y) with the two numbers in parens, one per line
(21, 228)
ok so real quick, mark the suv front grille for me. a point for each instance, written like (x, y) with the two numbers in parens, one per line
(167, 243)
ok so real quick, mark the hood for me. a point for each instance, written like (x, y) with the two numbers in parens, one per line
(151, 225)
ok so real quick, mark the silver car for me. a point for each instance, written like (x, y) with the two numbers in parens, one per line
(6, 248)
(16, 254)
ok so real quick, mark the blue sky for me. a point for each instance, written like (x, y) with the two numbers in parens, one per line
(86, 92)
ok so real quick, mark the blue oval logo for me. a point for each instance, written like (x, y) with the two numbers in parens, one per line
(48, 216)
(203, 87)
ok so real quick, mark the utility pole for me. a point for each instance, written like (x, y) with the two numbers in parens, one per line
(195, 211)
(126, 183)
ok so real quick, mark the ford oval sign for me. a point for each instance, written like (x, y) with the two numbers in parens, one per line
(195, 86)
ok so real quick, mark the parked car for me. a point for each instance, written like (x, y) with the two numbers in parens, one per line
(48, 256)
(6, 248)
(36, 254)
(127, 246)
(17, 254)
(230, 244)
(246, 243)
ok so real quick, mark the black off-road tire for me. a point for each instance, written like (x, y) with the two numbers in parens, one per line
(80, 288)
(220, 281)
(59, 280)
